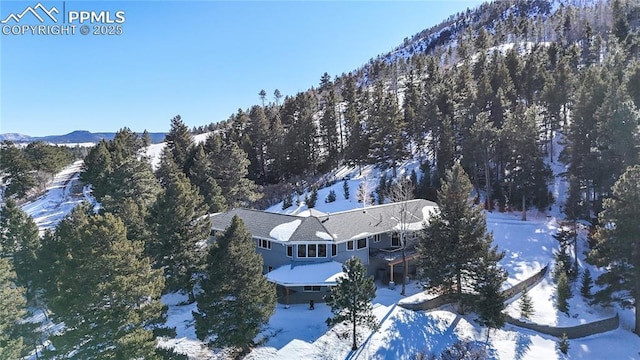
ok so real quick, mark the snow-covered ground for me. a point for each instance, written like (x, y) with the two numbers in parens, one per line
(153, 151)
(59, 200)
(299, 333)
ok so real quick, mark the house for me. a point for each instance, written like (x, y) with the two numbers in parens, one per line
(303, 254)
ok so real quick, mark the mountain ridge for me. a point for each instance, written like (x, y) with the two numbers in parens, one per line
(76, 136)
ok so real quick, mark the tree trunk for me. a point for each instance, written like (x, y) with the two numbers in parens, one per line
(405, 267)
(524, 207)
(551, 146)
(355, 344)
(637, 329)
(459, 292)
(575, 246)
(488, 185)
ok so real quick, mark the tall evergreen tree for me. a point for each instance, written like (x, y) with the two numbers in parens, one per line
(489, 302)
(260, 140)
(455, 246)
(201, 175)
(229, 169)
(179, 142)
(528, 174)
(20, 241)
(618, 245)
(300, 141)
(178, 222)
(350, 299)
(357, 142)
(526, 305)
(236, 299)
(16, 170)
(97, 168)
(12, 310)
(329, 131)
(102, 287)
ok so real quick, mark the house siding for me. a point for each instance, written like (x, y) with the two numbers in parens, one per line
(344, 254)
(274, 257)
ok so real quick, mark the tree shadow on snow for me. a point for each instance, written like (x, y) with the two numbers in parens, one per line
(523, 344)
(415, 332)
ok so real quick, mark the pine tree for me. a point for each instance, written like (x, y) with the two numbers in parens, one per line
(331, 197)
(12, 311)
(16, 170)
(19, 240)
(179, 142)
(258, 131)
(178, 222)
(131, 179)
(617, 244)
(527, 171)
(345, 189)
(563, 293)
(311, 199)
(454, 242)
(263, 96)
(201, 175)
(125, 144)
(329, 131)
(287, 202)
(563, 344)
(236, 299)
(102, 287)
(229, 169)
(526, 305)
(357, 145)
(350, 299)
(146, 138)
(97, 168)
(490, 301)
(586, 284)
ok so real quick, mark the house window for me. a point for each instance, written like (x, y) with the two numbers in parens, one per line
(302, 251)
(362, 243)
(322, 250)
(289, 250)
(312, 251)
(395, 240)
(312, 289)
(264, 244)
(350, 245)
(334, 250)
(374, 238)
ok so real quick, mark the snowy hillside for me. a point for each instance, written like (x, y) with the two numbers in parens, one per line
(297, 332)
(153, 152)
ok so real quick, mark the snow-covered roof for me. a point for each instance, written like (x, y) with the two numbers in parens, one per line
(336, 227)
(305, 274)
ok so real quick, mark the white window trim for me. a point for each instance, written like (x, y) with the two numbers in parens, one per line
(264, 244)
(357, 244)
(306, 251)
(353, 245)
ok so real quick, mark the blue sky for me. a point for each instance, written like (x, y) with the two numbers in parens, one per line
(200, 59)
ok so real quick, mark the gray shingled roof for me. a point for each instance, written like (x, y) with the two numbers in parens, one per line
(341, 226)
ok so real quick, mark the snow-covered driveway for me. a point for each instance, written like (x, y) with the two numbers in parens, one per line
(59, 200)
